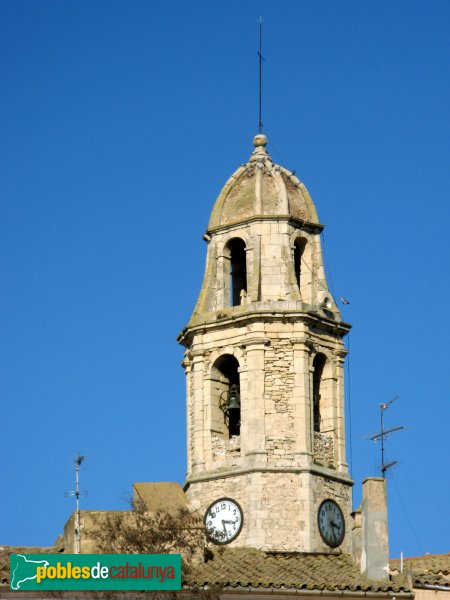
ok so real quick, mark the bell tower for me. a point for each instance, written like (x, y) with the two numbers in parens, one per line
(264, 371)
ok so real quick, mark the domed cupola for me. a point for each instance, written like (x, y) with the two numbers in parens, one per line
(261, 188)
(264, 249)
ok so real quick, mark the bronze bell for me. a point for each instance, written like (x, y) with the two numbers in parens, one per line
(234, 400)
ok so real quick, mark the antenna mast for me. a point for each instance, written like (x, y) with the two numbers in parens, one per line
(260, 124)
(78, 461)
(382, 434)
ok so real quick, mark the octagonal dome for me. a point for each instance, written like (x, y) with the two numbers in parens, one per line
(262, 188)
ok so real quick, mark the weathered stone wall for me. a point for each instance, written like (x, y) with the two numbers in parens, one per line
(323, 449)
(224, 449)
(275, 404)
(271, 276)
(278, 401)
(280, 508)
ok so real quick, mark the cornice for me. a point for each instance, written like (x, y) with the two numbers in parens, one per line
(330, 474)
(267, 315)
(301, 223)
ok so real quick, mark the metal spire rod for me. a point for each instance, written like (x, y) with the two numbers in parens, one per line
(260, 125)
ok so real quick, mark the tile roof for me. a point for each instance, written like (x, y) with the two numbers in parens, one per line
(429, 569)
(250, 568)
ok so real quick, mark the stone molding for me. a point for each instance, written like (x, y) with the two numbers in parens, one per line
(329, 474)
(249, 313)
(303, 224)
(260, 341)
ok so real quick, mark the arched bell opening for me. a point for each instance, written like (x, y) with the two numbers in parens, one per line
(318, 366)
(235, 252)
(226, 397)
(323, 421)
(299, 249)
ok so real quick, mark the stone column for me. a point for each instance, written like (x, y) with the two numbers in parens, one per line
(253, 415)
(198, 429)
(187, 368)
(223, 280)
(302, 399)
(254, 274)
(339, 451)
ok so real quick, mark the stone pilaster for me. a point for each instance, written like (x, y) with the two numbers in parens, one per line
(340, 453)
(302, 399)
(198, 425)
(253, 414)
(186, 364)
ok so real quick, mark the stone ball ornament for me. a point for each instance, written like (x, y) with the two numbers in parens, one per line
(260, 140)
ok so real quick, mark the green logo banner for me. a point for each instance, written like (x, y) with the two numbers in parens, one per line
(95, 571)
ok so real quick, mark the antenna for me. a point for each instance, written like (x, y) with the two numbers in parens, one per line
(78, 461)
(260, 124)
(382, 434)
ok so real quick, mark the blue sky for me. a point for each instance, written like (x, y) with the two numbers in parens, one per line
(120, 122)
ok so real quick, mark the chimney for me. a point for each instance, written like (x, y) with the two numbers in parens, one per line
(375, 548)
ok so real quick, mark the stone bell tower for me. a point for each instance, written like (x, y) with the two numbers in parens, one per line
(264, 367)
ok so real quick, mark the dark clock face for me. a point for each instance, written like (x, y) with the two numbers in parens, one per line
(223, 520)
(331, 523)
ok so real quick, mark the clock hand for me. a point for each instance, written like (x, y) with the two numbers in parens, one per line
(223, 525)
(224, 522)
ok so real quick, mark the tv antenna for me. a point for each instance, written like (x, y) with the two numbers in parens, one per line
(260, 124)
(382, 435)
(78, 461)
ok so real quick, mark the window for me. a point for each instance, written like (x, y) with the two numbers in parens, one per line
(238, 271)
(299, 248)
(318, 366)
(226, 408)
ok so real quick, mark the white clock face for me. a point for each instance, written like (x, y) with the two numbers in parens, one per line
(223, 520)
(331, 523)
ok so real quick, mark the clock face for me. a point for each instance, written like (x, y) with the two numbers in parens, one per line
(223, 520)
(331, 523)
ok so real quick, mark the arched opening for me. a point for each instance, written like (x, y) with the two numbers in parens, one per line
(299, 248)
(226, 400)
(238, 271)
(318, 366)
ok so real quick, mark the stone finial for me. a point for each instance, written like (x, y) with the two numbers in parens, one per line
(260, 140)
(260, 152)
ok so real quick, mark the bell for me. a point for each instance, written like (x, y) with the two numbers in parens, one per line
(234, 401)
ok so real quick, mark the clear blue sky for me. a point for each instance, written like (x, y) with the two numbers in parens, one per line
(120, 122)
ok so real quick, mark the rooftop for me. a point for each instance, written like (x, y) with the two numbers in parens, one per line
(426, 570)
(250, 568)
